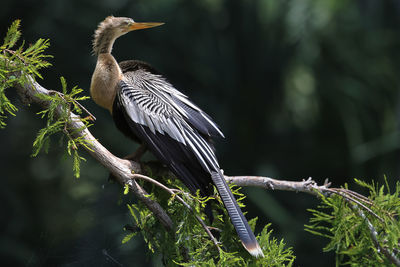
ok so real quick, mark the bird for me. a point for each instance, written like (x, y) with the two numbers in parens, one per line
(147, 108)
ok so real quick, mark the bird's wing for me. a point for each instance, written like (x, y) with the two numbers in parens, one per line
(196, 117)
(145, 104)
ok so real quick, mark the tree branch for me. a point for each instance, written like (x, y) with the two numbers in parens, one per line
(306, 186)
(126, 171)
(120, 168)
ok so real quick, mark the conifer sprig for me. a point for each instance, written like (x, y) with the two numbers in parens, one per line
(18, 65)
(26, 62)
(63, 104)
(348, 227)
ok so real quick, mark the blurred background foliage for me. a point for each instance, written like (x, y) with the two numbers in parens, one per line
(300, 88)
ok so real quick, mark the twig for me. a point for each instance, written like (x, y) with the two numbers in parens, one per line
(358, 196)
(93, 118)
(16, 54)
(374, 236)
(349, 198)
(173, 192)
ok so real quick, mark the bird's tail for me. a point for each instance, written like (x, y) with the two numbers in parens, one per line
(240, 223)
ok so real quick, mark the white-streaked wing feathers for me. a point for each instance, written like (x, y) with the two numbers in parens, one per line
(151, 104)
(157, 85)
(148, 110)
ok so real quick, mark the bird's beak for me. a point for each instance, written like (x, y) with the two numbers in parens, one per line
(144, 25)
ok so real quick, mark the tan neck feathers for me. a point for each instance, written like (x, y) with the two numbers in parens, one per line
(104, 81)
(104, 37)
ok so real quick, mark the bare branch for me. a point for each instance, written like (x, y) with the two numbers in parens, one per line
(308, 186)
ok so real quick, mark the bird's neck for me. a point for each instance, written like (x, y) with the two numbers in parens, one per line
(104, 80)
(103, 41)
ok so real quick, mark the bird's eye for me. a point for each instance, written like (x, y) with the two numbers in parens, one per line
(127, 22)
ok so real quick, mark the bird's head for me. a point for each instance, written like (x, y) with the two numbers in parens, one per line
(113, 27)
(122, 25)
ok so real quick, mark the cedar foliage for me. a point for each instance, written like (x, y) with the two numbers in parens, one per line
(28, 62)
(346, 227)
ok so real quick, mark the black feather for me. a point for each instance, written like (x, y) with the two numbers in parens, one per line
(198, 121)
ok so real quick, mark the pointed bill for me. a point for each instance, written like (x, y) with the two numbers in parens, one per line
(144, 25)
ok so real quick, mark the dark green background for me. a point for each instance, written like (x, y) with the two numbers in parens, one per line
(300, 88)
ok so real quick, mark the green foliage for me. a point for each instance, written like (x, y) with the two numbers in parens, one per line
(348, 232)
(62, 104)
(190, 245)
(19, 61)
(16, 66)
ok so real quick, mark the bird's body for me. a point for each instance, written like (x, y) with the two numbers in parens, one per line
(147, 108)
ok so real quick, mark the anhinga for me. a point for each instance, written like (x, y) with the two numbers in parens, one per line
(146, 107)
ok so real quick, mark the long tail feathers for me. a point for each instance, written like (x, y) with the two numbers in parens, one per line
(240, 223)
